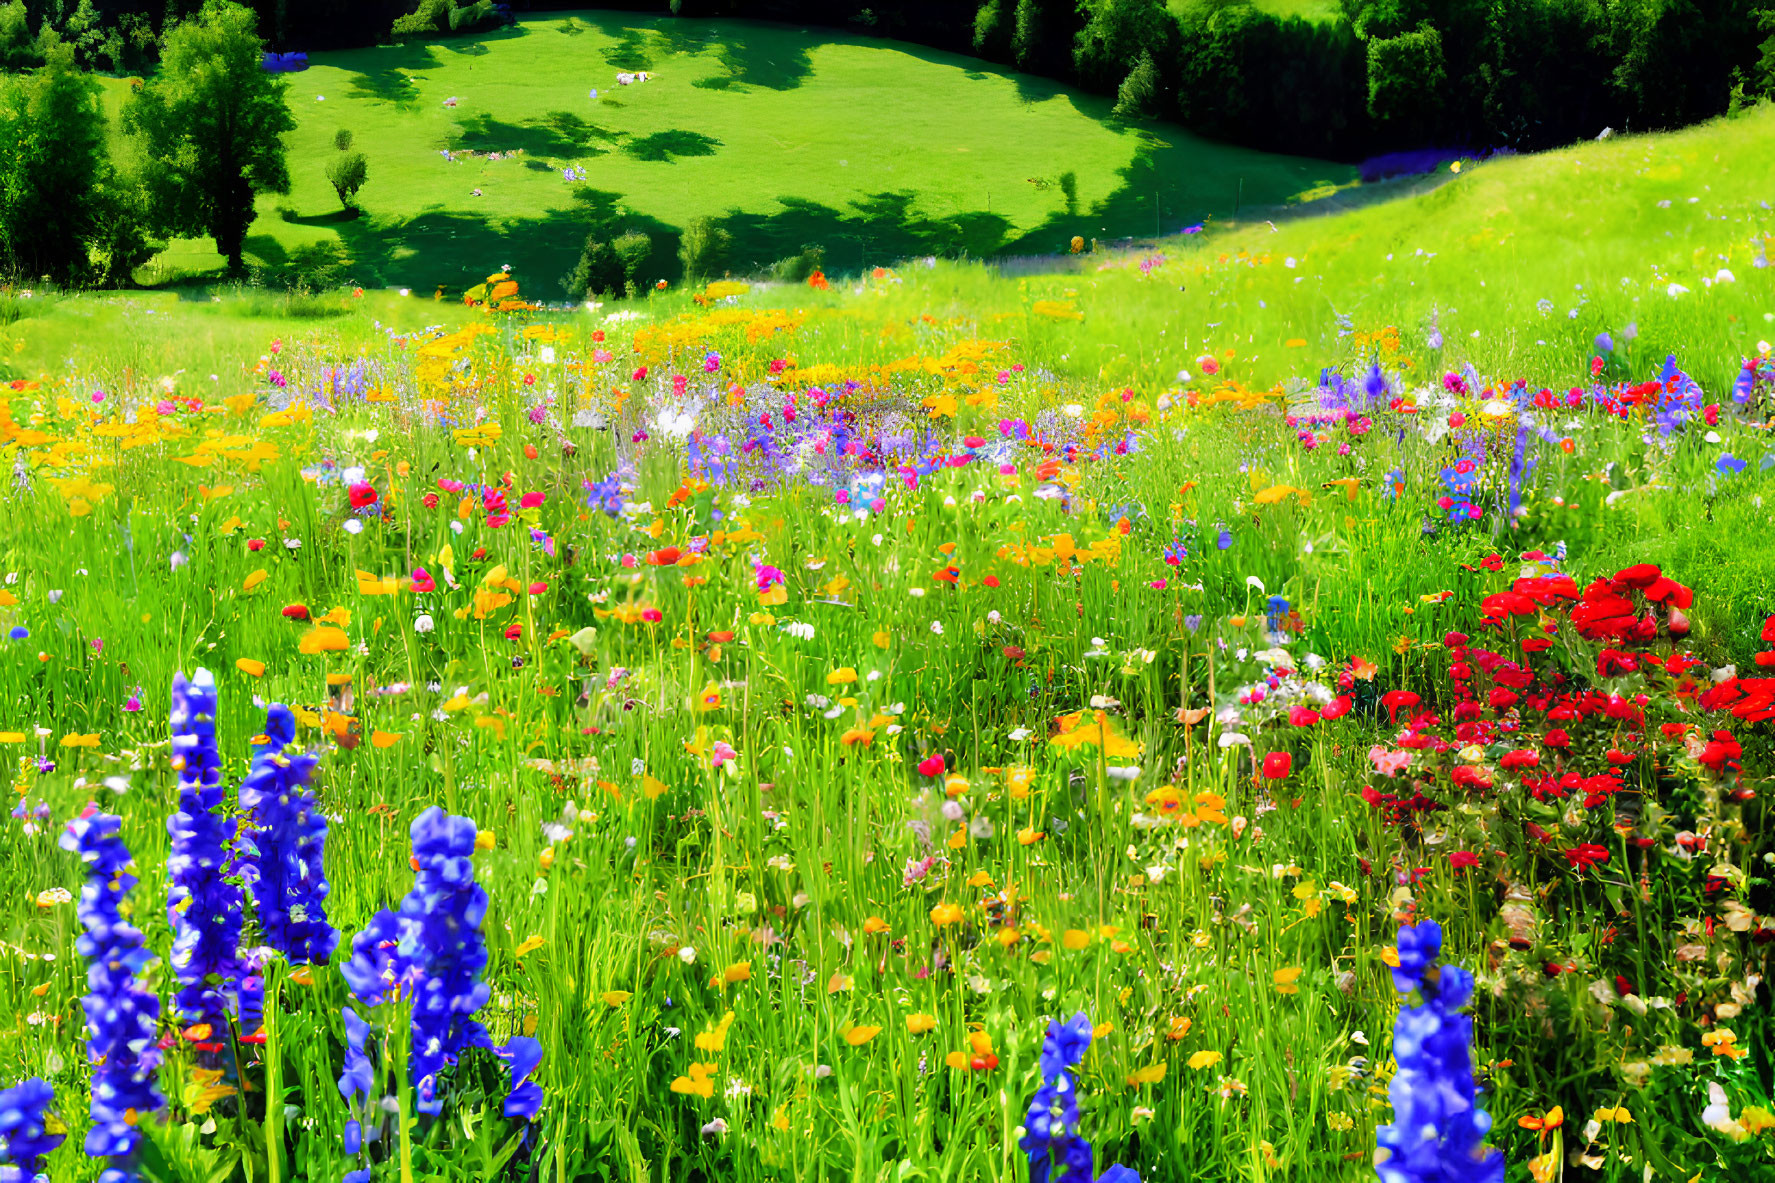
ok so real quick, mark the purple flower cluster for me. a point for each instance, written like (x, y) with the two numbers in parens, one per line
(203, 907)
(432, 953)
(1051, 1139)
(24, 1138)
(283, 846)
(121, 1014)
(1438, 1133)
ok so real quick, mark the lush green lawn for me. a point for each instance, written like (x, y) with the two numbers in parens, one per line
(875, 150)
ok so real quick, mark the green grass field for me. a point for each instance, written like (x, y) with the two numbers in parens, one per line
(769, 938)
(876, 150)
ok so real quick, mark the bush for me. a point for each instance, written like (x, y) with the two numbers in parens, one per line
(1139, 93)
(347, 174)
(342, 139)
(120, 243)
(703, 249)
(1406, 75)
(796, 268)
(314, 267)
(599, 270)
(632, 249)
(1069, 188)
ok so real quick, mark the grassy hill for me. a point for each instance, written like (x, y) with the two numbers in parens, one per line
(875, 150)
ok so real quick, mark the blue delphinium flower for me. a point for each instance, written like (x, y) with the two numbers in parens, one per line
(121, 1015)
(24, 1138)
(284, 844)
(1438, 1133)
(1051, 1138)
(431, 952)
(202, 906)
(523, 1054)
(444, 912)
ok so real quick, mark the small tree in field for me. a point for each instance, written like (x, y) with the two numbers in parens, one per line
(347, 174)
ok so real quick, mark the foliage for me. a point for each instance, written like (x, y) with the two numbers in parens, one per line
(312, 267)
(599, 271)
(703, 249)
(1406, 77)
(435, 17)
(632, 249)
(347, 173)
(50, 180)
(1139, 93)
(211, 123)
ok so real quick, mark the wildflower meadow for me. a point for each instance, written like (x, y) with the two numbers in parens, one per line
(1288, 701)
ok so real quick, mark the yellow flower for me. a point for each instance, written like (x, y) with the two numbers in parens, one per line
(324, 639)
(700, 1082)
(255, 579)
(944, 915)
(1617, 1114)
(1724, 1042)
(739, 971)
(858, 1036)
(529, 945)
(1075, 939)
(1204, 1059)
(918, 1023)
(1287, 980)
(841, 677)
(715, 1038)
(1152, 1074)
(874, 926)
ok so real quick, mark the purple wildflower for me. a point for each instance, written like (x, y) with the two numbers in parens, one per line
(121, 1014)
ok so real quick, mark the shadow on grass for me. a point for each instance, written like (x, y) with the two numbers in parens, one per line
(667, 146)
(387, 80)
(558, 133)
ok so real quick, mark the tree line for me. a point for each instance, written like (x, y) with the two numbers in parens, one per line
(1377, 75)
(198, 139)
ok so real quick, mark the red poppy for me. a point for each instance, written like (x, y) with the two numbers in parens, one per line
(665, 556)
(1394, 699)
(720, 638)
(1337, 708)
(1461, 859)
(1520, 758)
(1501, 699)
(1277, 765)
(1557, 738)
(255, 544)
(931, 766)
(513, 631)
(1536, 644)
(1299, 716)
(362, 494)
(296, 611)
(1586, 855)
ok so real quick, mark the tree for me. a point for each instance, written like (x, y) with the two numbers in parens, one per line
(347, 175)
(599, 270)
(632, 250)
(1139, 93)
(49, 180)
(17, 46)
(1405, 78)
(702, 249)
(211, 124)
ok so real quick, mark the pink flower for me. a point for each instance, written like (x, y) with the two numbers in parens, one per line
(1388, 763)
(532, 500)
(1461, 859)
(721, 754)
